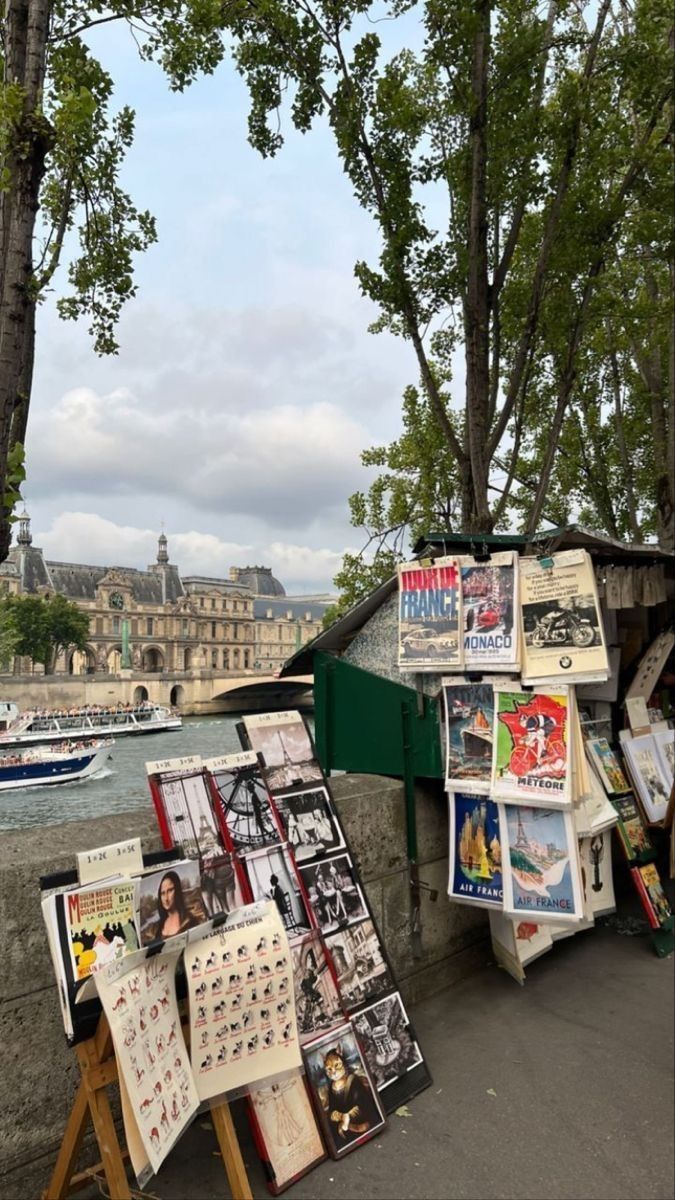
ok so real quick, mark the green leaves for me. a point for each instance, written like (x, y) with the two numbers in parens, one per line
(40, 627)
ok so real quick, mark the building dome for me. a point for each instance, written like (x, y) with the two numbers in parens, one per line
(260, 580)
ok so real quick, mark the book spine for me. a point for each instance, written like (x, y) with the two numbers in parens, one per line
(644, 896)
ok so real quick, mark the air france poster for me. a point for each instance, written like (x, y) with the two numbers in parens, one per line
(475, 875)
(542, 877)
(430, 616)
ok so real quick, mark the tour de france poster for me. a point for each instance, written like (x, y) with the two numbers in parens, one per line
(469, 722)
(430, 616)
(561, 624)
(243, 1026)
(490, 606)
(532, 750)
(542, 877)
(475, 868)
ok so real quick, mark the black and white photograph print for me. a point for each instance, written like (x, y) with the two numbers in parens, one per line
(272, 877)
(317, 1003)
(285, 745)
(566, 621)
(245, 802)
(383, 1030)
(311, 825)
(189, 814)
(360, 966)
(334, 892)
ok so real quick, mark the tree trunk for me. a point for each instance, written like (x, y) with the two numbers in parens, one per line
(477, 517)
(25, 42)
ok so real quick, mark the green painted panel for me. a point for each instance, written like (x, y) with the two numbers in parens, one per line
(364, 723)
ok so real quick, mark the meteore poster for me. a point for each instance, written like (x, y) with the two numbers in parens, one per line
(542, 877)
(490, 607)
(561, 625)
(430, 616)
(475, 874)
(531, 759)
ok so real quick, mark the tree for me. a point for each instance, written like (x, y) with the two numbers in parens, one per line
(9, 636)
(61, 150)
(500, 162)
(44, 627)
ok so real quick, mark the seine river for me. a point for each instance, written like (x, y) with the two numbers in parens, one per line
(123, 785)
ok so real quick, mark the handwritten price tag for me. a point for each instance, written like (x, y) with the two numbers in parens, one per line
(120, 858)
(227, 762)
(191, 762)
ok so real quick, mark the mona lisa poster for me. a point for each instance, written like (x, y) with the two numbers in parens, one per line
(345, 1095)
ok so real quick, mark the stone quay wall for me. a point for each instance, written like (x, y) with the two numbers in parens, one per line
(38, 1073)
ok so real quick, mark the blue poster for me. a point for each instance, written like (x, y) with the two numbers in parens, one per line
(475, 851)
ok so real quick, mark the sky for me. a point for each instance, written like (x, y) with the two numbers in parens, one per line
(246, 384)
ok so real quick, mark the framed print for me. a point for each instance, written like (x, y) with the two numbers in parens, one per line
(272, 875)
(532, 747)
(490, 606)
(475, 859)
(430, 635)
(285, 1131)
(242, 796)
(182, 797)
(288, 755)
(310, 822)
(361, 968)
(334, 892)
(648, 773)
(344, 1096)
(317, 1001)
(469, 724)
(392, 1052)
(542, 879)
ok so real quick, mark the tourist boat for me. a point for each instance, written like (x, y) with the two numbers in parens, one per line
(61, 763)
(91, 721)
(478, 736)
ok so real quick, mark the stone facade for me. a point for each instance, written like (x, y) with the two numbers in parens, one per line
(282, 626)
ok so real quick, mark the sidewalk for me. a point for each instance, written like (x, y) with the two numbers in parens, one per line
(580, 1059)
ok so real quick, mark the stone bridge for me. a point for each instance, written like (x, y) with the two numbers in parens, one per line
(193, 692)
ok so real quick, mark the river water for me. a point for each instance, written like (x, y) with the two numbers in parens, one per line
(123, 785)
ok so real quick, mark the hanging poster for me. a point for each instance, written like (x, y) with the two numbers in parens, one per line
(531, 754)
(542, 879)
(334, 892)
(311, 823)
(595, 857)
(391, 1049)
(285, 1131)
(317, 1002)
(242, 1010)
(283, 742)
(490, 606)
(272, 876)
(469, 725)
(138, 994)
(359, 962)
(345, 1097)
(430, 616)
(475, 860)
(561, 622)
(244, 800)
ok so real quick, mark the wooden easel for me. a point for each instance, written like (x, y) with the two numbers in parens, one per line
(98, 1067)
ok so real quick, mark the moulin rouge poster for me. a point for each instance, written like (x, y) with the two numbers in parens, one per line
(430, 616)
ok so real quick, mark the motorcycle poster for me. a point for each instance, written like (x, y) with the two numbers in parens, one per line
(561, 625)
(531, 760)
(490, 606)
(430, 616)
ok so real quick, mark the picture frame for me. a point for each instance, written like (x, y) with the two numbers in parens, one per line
(310, 822)
(343, 1093)
(317, 999)
(242, 797)
(285, 1131)
(541, 871)
(286, 749)
(392, 1051)
(272, 875)
(334, 892)
(360, 963)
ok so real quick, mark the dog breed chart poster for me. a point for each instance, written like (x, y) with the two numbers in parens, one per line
(138, 994)
(242, 1008)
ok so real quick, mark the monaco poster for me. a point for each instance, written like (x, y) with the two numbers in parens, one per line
(490, 607)
(430, 616)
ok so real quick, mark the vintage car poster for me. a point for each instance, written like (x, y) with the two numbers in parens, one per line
(285, 1130)
(283, 742)
(561, 622)
(542, 879)
(532, 750)
(475, 859)
(138, 994)
(430, 616)
(346, 1097)
(244, 800)
(469, 727)
(317, 1002)
(490, 607)
(243, 1026)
